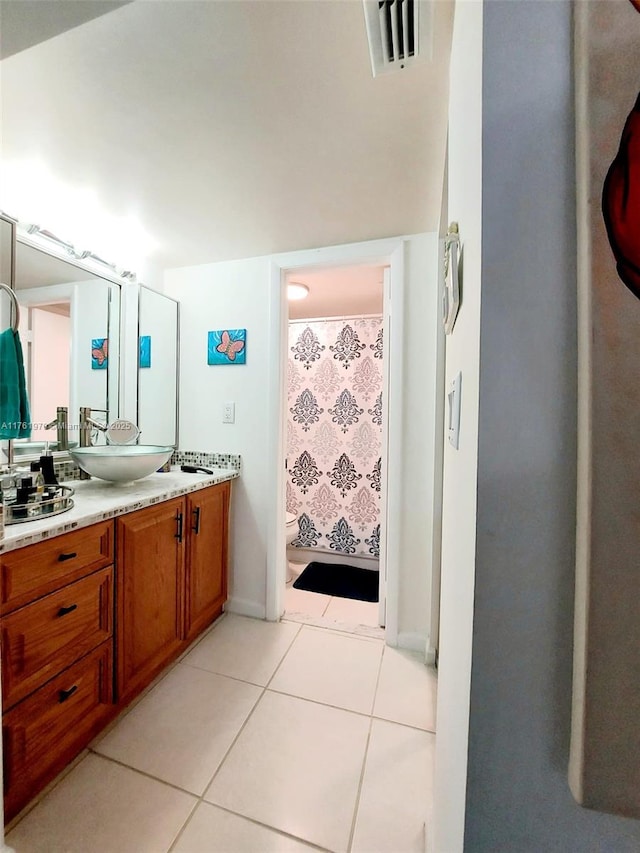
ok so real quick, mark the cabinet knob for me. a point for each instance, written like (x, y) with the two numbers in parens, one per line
(69, 609)
(178, 533)
(196, 520)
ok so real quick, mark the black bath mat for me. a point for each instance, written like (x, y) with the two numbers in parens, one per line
(337, 579)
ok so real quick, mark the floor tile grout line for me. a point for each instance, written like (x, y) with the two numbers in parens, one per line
(250, 714)
(356, 807)
(375, 691)
(157, 681)
(281, 832)
(366, 755)
(280, 662)
(146, 774)
(197, 799)
(404, 725)
(224, 675)
(181, 830)
(184, 826)
(282, 692)
(319, 702)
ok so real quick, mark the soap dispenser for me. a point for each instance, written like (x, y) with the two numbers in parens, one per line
(46, 466)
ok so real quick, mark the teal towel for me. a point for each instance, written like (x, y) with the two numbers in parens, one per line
(15, 417)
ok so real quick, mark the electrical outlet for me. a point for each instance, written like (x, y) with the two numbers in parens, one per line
(228, 413)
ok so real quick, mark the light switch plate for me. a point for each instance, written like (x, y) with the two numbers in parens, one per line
(228, 413)
(455, 390)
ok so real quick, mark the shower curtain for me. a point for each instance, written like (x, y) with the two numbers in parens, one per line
(334, 434)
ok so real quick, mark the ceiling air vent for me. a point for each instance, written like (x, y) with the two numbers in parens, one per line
(399, 33)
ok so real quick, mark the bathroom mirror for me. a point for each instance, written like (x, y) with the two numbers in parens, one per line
(157, 368)
(70, 333)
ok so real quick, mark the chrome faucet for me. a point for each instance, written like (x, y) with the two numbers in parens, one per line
(61, 423)
(87, 424)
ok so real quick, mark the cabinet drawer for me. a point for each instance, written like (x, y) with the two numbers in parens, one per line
(43, 638)
(38, 569)
(46, 731)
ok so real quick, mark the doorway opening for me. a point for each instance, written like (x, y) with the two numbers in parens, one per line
(334, 445)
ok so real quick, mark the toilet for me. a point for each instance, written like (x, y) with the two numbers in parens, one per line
(292, 532)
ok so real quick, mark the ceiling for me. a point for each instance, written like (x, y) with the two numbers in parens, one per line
(24, 23)
(221, 128)
(338, 292)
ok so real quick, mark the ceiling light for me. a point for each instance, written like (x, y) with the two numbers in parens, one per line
(295, 290)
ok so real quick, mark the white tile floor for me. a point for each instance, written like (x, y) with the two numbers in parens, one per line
(264, 738)
(327, 611)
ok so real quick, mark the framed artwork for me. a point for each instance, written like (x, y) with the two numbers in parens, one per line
(145, 351)
(451, 292)
(227, 346)
(99, 353)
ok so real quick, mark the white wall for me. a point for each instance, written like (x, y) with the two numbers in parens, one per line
(515, 738)
(230, 295)
(421, 482)
(89, 318)
(49, 387)
(460, 466)
(157, 384)
(236, 295)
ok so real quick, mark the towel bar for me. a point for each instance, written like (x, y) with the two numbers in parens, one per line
(14, 305)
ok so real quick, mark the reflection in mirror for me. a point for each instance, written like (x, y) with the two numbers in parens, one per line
(69, 327)
(7, 241)
(157, 368)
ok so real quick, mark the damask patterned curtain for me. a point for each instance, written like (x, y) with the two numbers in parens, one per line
(334, 434)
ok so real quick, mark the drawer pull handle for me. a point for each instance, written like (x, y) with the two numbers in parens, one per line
(178, 533)
(64, 610)
(196, 520)
(63, 557)
(64, 694)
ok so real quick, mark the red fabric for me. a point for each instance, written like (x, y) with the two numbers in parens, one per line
(621, 203)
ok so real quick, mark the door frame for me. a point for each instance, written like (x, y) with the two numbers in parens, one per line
(391, 253)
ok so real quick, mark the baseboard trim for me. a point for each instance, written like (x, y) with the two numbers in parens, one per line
(412, 641)
(245, 607)
(430, 653)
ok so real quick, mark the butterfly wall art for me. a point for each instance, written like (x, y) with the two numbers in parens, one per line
(144, 359)
(99, 353)
(228, 346)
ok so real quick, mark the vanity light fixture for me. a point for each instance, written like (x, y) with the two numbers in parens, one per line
(295, 290)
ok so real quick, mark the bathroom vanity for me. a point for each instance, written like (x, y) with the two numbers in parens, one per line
(94, 604)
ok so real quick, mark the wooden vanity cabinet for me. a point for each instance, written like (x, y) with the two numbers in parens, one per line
(58, 624)
(57, 655)
(171, 581)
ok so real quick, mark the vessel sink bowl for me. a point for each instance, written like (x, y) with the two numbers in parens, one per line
(121, 463)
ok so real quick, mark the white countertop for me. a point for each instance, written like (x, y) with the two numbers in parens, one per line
(96, 500)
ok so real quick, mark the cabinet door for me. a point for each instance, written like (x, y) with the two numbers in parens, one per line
(150, 602)
(206, 588)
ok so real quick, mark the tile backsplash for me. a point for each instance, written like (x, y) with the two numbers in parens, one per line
(209, 460)
(68, 470)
